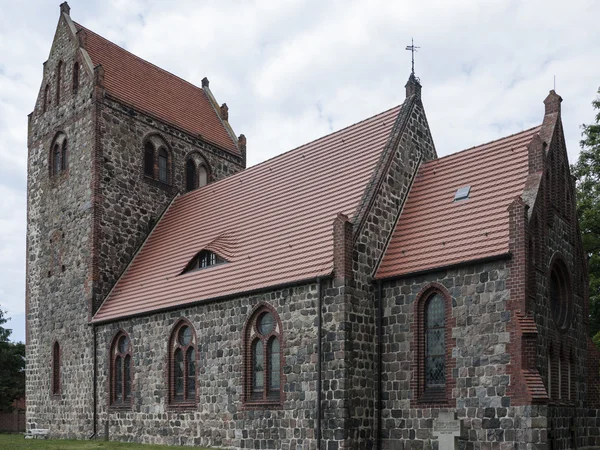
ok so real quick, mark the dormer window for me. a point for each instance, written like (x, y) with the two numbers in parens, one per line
(204, 259)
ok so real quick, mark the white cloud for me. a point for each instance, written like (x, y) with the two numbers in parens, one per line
(292, 71)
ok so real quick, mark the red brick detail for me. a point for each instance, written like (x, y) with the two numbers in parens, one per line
(342, 249)
(536, 156)
(526, 386)
(268, 401)
(593, 375)
(442, 398)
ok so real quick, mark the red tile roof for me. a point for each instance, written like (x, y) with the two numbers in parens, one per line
(434, 231)
(273, 222)
(153, 90)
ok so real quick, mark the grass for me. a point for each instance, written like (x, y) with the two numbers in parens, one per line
(18, 442)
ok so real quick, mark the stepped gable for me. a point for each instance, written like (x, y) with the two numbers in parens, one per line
(155, 91)
(436, 231)
(274, 223)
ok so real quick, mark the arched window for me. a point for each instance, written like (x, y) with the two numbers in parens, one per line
(46, 104)
(182, 367)
(202, 176)
(56, 159)
(559, 292)
(120, 370)
(433, 364)
(63, 156)
(59, 161)
(59, 70)
(435, 345)
(163, 164)
(56, 368)
(263, 364)
(190, 175)
(75, 77)
(149, 159)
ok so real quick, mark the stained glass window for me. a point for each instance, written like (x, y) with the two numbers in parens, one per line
(435, 345)
(183, 364)
(258, 370)
(121, 370)
(274, 372)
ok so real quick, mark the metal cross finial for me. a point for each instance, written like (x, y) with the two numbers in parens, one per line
(412, 49)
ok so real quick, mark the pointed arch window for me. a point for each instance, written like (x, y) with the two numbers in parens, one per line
(163, 164)
(121, 370)
(56, 368)
(433, 381)
(182, 364)
(75, 77)
(263, 358)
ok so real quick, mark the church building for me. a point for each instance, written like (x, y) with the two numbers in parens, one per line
(357, 292)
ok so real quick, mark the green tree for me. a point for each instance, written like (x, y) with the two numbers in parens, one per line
(587, 172)
(12, 367)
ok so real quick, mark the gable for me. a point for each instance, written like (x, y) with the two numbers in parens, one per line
(154, 91)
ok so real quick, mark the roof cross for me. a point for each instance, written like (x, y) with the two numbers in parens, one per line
(412, 49)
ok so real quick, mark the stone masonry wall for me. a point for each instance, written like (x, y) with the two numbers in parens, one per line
(58, 251)
(410, 144)
(220, 418)
(132, 202)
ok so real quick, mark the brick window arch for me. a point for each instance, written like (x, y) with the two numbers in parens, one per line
(182, 364)
(59, 161)
(75, 77)
(56, 368)
(433, 364)
(263, 358)
(121, 368)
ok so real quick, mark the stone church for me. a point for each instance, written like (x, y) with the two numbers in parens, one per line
(357, 292)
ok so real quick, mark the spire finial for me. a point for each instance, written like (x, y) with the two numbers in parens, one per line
(412, 49)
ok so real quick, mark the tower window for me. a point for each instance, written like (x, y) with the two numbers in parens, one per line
(56, 368)
(46, 104)
(163, 159)
(190, 175)
(149, 159)
(59, 70)
(202, 176)
(59, 161)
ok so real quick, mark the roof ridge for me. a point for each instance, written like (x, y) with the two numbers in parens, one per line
(475, 147)
(139, 58)
(286, 153)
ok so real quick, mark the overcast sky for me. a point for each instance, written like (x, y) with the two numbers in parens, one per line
(292, 71)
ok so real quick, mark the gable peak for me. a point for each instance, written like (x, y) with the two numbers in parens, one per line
(552, 103)
(413, 86)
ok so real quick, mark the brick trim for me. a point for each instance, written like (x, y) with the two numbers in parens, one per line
(172, 402)
(268, 401)
(421, 397)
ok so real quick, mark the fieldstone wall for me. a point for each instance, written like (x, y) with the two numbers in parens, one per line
(220, 418)
(58, 250)
(131, 202)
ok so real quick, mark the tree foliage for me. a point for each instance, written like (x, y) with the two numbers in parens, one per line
(12, 367)
(587, 171)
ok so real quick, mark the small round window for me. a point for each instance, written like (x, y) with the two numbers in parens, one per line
(559, 296)
(266, 324)
(185, 335)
